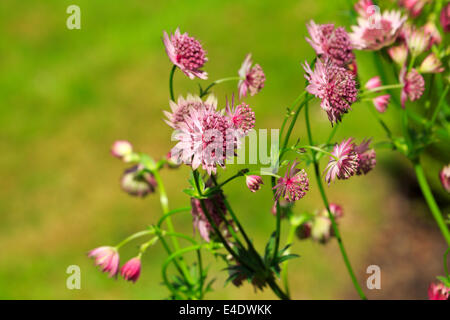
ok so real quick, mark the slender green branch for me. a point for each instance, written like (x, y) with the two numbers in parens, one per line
(438, 107)
(135, 236)
(172, 72)
(284, 268)
(170, 213)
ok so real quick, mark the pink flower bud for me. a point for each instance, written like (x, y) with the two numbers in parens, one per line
(381, 102)
(445, 177)
(398, 54)
(131, 269)
(137, 182)
(431, 64)
(107, 258)
(431, 29)
(438, 291)
(336, 210)
(254, 182)
(373, 83)
(121, 149)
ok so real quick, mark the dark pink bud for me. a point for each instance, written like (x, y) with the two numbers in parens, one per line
(444, 175)
(131, 269)
(438, 292)
(254, 182)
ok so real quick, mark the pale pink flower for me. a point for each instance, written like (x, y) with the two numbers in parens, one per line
(121, 149)
(331, 42)
(417, 41)
(445, 17)
(336, 210)
(363, 8)
(431, 64)
(293, 185)
(381, 102)
(373, 83)
(334, 85)
(183, 106)
(254, 182)
(138, 182)
(131, 270)
(399, 54)
(186, 53)
(374, 34)
(366, 157)
(431, 30)
(344, 162)
(438, 292)
(444, 175)
(241, 116)
(413, 85)
(413, 6)
(107, 258)
(252, 78)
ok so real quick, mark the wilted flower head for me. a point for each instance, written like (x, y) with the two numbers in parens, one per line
(363, 7)
(366, 157)
(373, 83)
(121, 149)
(253, 182)
(431, 64)
(445, 17)
(381, 102)
(438, 292)
(252, 78)
(334, 85)
(184, 106)
(138, 182)
(374, 33)
(131, 270)
(293, 185)
(107, 258)
(399, 54)
(331, 42)
(344, 164)
(413, 85)
(444, 175)
(186, 53)
(417, 41)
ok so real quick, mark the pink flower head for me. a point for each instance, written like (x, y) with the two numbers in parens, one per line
(186, 53)
(431, 64)
(381, 102)
(334, 85)
(241, 116)
(444, 175)
(431, 30)
(445, 17)
(344, 164)
(252, 78)
(438, 292)
(107, 258)
(331, 42)
(363, 7)
(121, 149)
(417, 41)
(377, 31)
(399, 54)
(131, 270)
(413, 85)
(293, 185)
(253, 182)
(336, 210)
(138, 182)
(366, 157)
(184, 106)
(373, 83)
(413, 6)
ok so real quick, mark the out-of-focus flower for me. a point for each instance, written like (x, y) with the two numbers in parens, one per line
(373, 83)
(432, 31)
(303, 231)
(252, 78)
(171, 162)
(413, 6)
(285, 207)
(418, 41)
(399, 54)
(336, 210)
(363, 8)
(183, 106)
(331, 42)
(374, 33)
(444, 175)
(253, 182)
(107, 258)
(431, 64)
(138, 182)
(186, 53)
(321, 229)
(344, 164)
(445, 17)
(413, 85)
(241, 117)
(121, 149)
(381, 102)
(293, 185)
(438, 292)
(334, 85)
(131, 270)
(366, 157)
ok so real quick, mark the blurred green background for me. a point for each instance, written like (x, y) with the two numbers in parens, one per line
(66, 95)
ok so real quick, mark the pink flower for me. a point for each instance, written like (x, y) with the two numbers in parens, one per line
(399, 54)
(183, 107)
(336, 210)
(445, 17)
(186, 53)
(417, 41)
(107, 258)
(381, 102)
(431, 64)
(293, 185)
(413, 6)
(363, 7)
(253, 182)
(330, 42)
(444, 175)
(414, 85)
(252, 79)
(334, 85)
(431, 30)
(366, 157)
(344, 164)
(131, 270)
(241, 117)
(374, 34)
(121, 149)
(373, 83)
(438, 292)
(138, 182)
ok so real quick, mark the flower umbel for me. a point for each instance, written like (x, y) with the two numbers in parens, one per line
(381, 102)
(253, 182)
(344, 162)
(107, 258)
(293, 185)
(413, 85)
(252, 78)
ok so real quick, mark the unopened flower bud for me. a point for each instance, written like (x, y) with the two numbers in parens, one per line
(121, 149)
(137, 182)
(131, 269)
(445, 177)
(254, 182)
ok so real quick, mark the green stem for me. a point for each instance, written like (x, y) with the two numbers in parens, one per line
(438, 107)
(294, 119)
(134, 236)
(428, 195)
(284, 268)
(172, 72)
(386, 87)
(206, 91)
(170, 213)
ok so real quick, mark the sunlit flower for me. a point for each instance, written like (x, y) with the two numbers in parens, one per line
(438, 292)
(186, 53)
(413, 85)
(374, 34)
(334, 85)
(253, 182)
(344, 162)
(138, 182)
(121, 149)
(293, 185)
(373, 83)
(363, 7)
(381, 102)
(445, 17)
(184, 106)
(252, 78)
(431, 64)
(107, 258)
(417, 41)
(399, 54)
(444, 175)
(131, 270)
(366, 157)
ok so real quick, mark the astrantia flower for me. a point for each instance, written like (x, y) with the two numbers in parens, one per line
(413, 85)
(366, 157)
(417, 41)
(444, 175)
(253, 182)
(373, 83)
(344, 164)
(445, 17)
(381, 102)
(293, 185)
(137, 182)
(241, 116)
(374, 34)
(399, 54)
(184, 106)
(131, 270)
(336, 210)
(186, 53)
(107, 258)
(331, 42)
(252, 78)
(334, 85)
(438, 292)
(363, 8)
(431, 64)
(431, 30)
(121, 149)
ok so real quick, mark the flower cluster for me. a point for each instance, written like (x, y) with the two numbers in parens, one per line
(293, 185)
